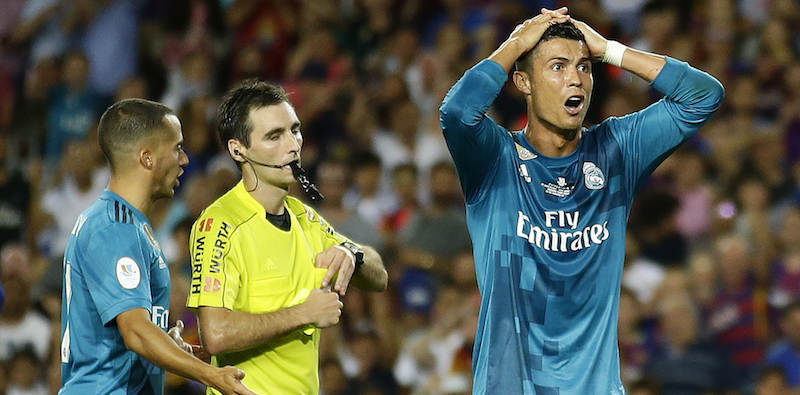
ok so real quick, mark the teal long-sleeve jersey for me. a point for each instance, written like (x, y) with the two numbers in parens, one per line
(112, 264)
(549, 233)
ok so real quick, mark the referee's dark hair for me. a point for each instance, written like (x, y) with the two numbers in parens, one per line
(233, 116)
(127, 122)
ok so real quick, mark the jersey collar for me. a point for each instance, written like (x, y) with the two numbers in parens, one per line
(113, 197)
(521, 139)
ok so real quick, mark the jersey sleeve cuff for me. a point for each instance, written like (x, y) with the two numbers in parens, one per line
(122, 306)
(668, 80)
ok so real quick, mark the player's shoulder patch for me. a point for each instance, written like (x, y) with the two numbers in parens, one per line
(128, 273)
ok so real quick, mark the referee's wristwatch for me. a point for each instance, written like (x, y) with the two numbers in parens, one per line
(357, 252)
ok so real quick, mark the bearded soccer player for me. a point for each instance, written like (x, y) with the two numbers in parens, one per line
(268, 270)
(115, 308)
(547, 206)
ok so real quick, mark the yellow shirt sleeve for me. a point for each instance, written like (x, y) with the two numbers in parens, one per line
(216, 267)
(323, 233)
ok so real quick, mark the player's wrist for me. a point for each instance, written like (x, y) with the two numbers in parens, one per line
(206, 373)
(614, 53)
(517, 46)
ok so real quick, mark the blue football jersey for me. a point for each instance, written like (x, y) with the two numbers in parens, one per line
(112, 264)
(549, 232)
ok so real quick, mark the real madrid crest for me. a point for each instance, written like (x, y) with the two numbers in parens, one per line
(151, 237)
(593, 177)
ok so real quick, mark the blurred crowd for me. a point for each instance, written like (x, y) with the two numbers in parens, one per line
(711, 290)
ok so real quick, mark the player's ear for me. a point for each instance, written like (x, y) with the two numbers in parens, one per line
(235, 150)
(146, 159)
(522, 81)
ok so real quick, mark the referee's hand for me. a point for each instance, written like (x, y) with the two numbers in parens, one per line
(322, 308)
(340, 264)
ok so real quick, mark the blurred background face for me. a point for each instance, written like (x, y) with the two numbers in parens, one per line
(744, 95)
(405, 120)
(444, 185)
(16, 276)
(659, 26)
(366, 348)
(790, 231)
(753, 195)
(405, 185)
(367, 178)
(76, 71)
(23, 371)
(734, 262)
(135, 87)
(678, 319)
(332, 179)
(791, 326)
(332, 379)
(691, 170)
(78, 161)
(464, 271)
(772, 384)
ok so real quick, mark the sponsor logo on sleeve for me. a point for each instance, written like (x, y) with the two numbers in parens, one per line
(128, 273)
(205, 225)
(215, 247)
(212, 285)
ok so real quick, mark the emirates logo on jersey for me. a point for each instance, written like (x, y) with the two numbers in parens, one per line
(560, 232)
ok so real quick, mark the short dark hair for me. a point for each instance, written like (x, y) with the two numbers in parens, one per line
(233, 116)
(566, 30)
(127, 122)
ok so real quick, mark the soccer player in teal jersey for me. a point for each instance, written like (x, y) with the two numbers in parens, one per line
(547, 206)
(116, 293)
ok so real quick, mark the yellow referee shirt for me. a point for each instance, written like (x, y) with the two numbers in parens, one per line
(243, 262)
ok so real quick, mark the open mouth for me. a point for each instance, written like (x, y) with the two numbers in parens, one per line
(574, 104)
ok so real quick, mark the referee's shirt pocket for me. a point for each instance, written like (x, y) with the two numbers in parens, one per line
(270, 294)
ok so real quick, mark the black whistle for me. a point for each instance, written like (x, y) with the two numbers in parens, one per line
(300, 175)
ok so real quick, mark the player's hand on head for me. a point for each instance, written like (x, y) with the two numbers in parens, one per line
(341, 266)
(323, 308)
(529, 32)
(228, 380)
(176, 333)
(594, 40)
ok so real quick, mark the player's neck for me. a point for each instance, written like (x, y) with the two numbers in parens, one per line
(552, 142)
(136, 194)
(271, 197)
